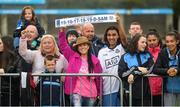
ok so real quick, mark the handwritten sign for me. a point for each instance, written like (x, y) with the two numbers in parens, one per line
(85, 19)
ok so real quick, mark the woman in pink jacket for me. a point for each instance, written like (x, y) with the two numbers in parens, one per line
(82, 90)
(154, 46)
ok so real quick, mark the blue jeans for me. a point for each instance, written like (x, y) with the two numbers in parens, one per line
(78, 100)
(112, 99)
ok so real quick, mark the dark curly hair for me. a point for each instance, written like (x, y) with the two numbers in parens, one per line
(133, 45)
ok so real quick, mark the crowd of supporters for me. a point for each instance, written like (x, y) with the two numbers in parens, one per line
(80, 50)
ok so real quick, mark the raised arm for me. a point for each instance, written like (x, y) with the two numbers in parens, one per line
(27, 54)
(122, 33)
(63, 45)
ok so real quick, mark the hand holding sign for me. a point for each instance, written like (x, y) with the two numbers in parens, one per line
(118, 18)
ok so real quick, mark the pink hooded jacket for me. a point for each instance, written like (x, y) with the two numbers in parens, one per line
(74, 60)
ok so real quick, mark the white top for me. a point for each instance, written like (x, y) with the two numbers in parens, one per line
(109, 59)
(35, 58)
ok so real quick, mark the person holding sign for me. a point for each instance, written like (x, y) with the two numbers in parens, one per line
(109, 58)
(83, 90)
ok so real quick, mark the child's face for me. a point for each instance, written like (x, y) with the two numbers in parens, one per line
(152, 41)
(28, 14)
(142, 44)
(50, 65)
(71, 37)
(171, 43)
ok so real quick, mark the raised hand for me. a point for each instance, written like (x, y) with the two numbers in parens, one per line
(118, 18)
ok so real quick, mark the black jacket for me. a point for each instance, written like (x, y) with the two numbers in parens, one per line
(161, 66)
(22, 24)
(13, 66)
(96, 45)
(129, 65)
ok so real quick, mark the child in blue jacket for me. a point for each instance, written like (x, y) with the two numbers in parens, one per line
(51, 86)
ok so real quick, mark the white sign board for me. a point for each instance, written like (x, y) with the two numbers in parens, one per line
(85, 19)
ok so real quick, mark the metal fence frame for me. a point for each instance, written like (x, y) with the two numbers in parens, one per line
(130, 88)
(70, 74)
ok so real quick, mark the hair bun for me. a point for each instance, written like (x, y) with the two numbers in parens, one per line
(152, 30)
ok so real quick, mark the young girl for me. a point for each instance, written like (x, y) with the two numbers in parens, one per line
(27, 18)
(154, 46)
(168, 65)
(82, 90)
(133, 66)
(111, 53)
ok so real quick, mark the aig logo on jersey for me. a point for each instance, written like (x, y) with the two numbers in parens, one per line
(112, 62)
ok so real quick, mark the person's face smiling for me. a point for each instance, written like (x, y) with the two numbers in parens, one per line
(142, 44)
